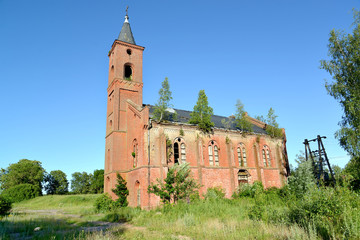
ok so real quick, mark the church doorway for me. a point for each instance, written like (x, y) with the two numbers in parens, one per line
(243, 176)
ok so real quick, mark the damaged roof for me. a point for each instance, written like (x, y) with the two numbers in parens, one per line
(183, 116)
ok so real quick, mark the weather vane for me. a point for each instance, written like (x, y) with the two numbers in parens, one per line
(127, 7)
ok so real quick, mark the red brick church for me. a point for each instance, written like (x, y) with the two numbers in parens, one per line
(136, 145)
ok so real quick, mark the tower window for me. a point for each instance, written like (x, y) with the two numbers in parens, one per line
(128, 51)
(128, 72)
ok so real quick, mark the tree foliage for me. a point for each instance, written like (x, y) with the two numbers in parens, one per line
(21, 192)
(178, 184)
(5, 205)
(272, 127)
(302, 178)
(97, 183)
(160, 109)
(81, 182)
(121, 191)
(202, 112)
(344, 67)
(240, 118)
(56, 182)
(23, 172)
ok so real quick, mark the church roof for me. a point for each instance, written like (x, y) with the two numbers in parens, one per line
(183, 116)
(125, 33)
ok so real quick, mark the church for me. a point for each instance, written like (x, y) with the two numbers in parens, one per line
(142, 150)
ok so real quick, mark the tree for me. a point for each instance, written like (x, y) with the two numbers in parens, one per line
(202, 112)
(121, 191)
(160, 109)
(23, 172)
(179, 184)
(344, 67)
(81, 182)
(97, 182)
(56, 182)
(272, 127)
(302, 178)
(240, 118)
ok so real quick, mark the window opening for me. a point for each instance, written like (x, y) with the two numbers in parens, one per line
(244, 157)
(183, 153)
(264, 158)
(128, 72)
(268, 157)
(216, 153)
(176, 152)
(211, 160)
(239, 156)
(135, 153)
(128, 51)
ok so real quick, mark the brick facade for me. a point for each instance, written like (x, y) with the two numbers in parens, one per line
(129, 129)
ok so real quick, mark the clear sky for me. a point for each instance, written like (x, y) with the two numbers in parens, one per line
(54, 69)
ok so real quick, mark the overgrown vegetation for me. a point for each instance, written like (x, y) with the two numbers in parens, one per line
(121, 191)
(5, 206)
(178, 185)
(240, 118)
(163, 104)
(201, 115)
(272, 127)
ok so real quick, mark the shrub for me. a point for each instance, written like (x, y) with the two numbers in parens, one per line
(249, 190)
(22, 192)
(104, 203)
(121, 191)
(5, 205)
(214, 193)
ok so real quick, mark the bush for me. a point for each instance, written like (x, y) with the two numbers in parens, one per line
(22, 192)
(5, 206)
(104, 203)
(249, 190)
(124, 214)
(214, 193)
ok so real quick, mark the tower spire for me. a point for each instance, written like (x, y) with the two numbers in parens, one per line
(125, 33)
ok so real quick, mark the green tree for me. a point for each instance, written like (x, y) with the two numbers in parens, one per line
(344, 67)
(240, 118)
(97, 182)
(160, 108)
(22, 172)
(272, 127)
(202, 112)
(81, 182)
(56, 182)
(178, 184)
(302, 178)
(121, 191)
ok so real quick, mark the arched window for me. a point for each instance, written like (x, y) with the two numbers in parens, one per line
(179, 150)
(264, 158)
(244, 157)
(216, 153)
(243, 176)
(128, 73)
(176, 152)
(213, 150)
(239, 156)
(138, 193)
(183, 153)
(134, 153)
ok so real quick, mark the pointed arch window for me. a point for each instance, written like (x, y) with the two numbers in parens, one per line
(134, 153)
(266, 156)
(241, 154)
(183, 153)
(179, 150)
(128, 72)
(213, 150)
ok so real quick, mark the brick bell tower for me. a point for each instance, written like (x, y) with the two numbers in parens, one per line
(124, 93)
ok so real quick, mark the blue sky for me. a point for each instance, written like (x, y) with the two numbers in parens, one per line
(54, 69)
